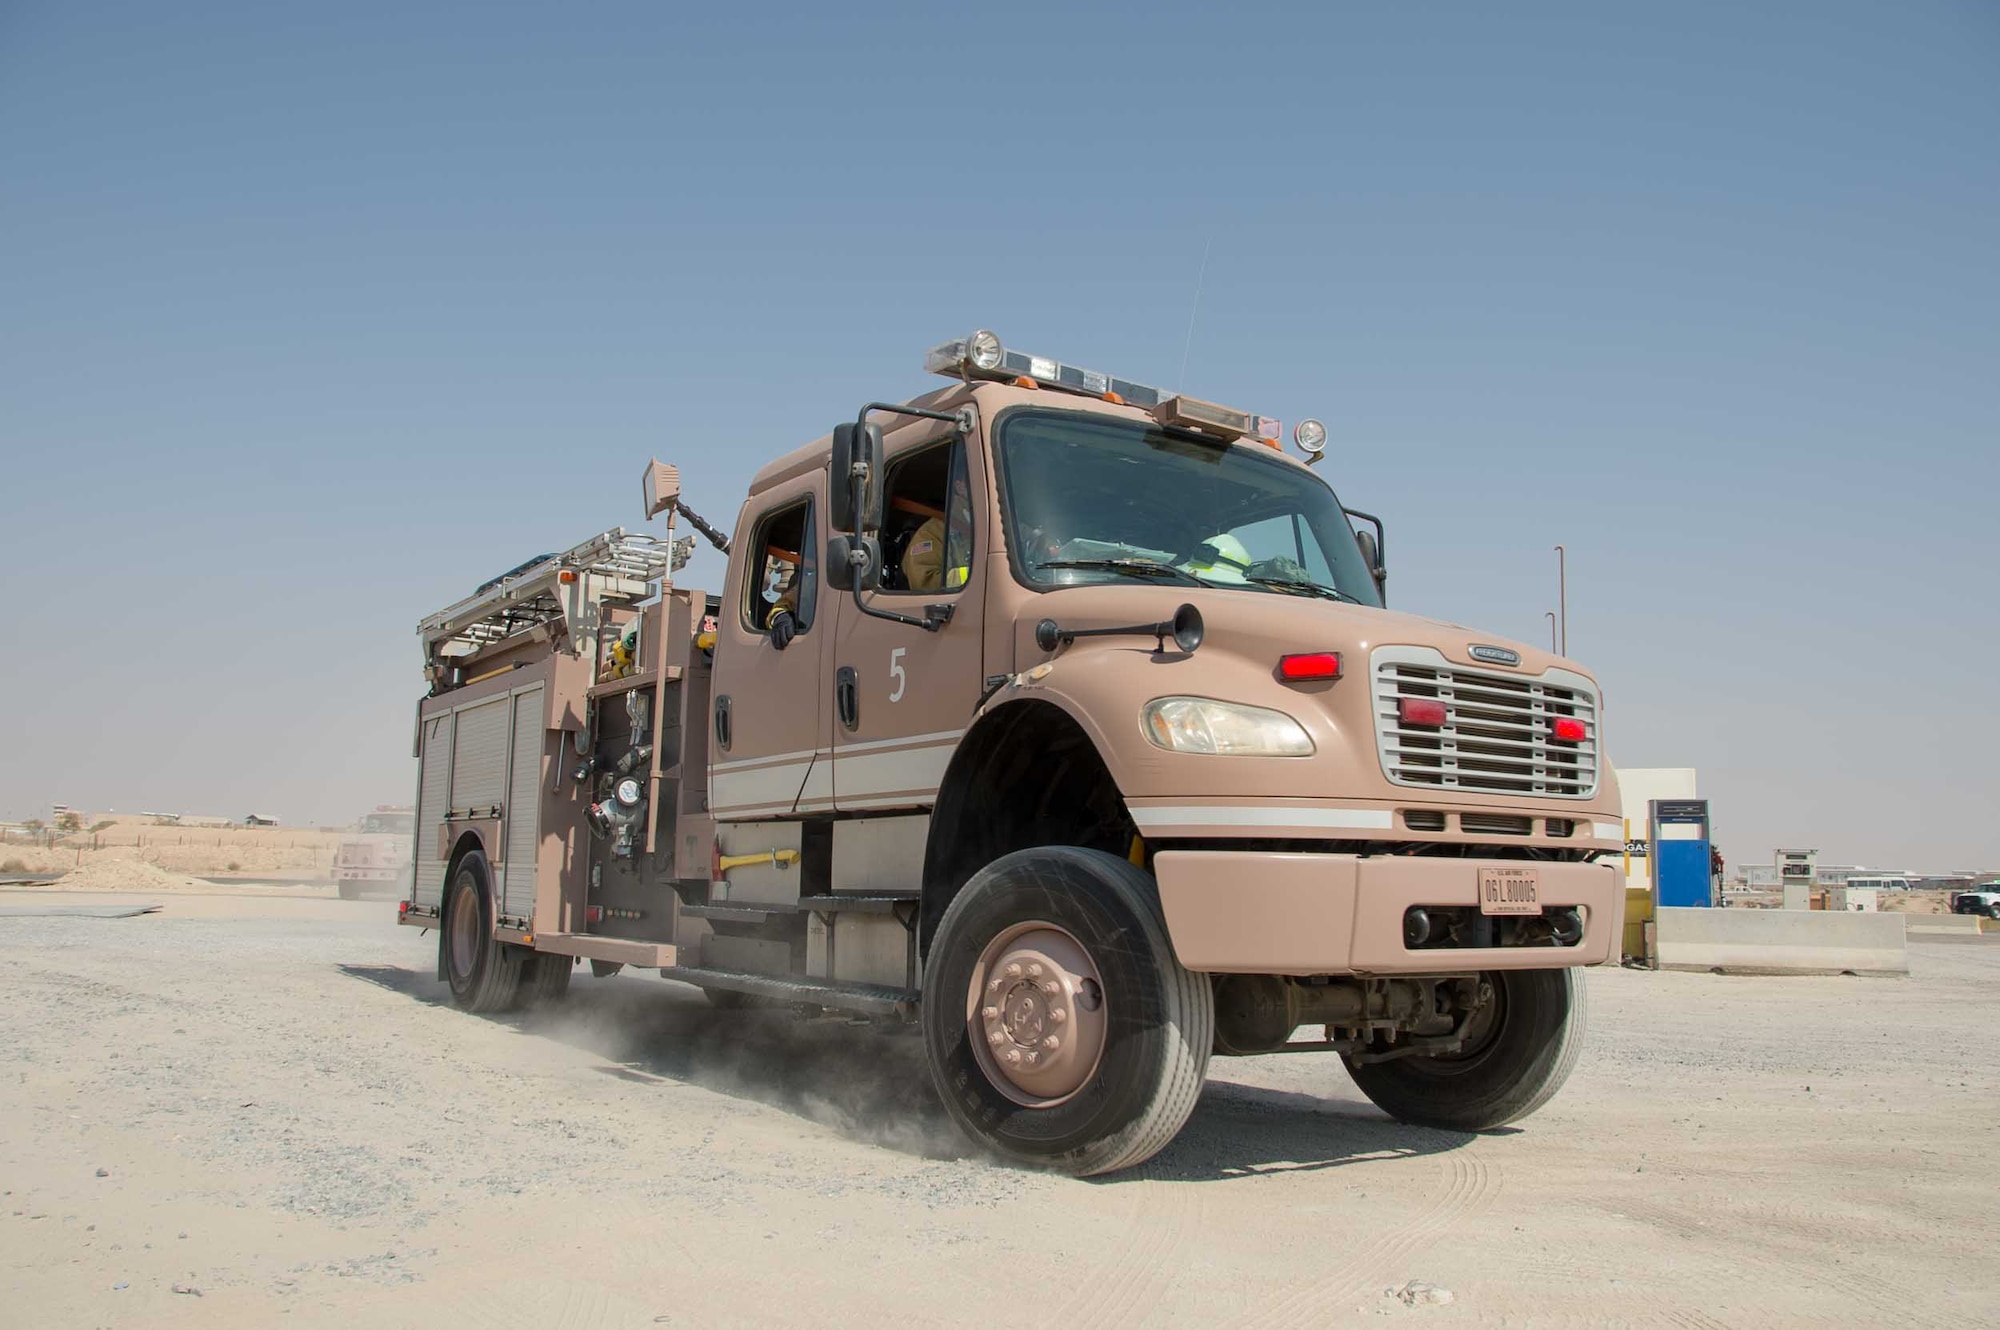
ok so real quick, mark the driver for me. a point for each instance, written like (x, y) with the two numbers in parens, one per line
(924, 561)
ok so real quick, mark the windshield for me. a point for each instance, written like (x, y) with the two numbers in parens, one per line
(1092, 499)
(391, 824)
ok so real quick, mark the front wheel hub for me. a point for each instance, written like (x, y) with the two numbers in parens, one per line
(1036, 1015)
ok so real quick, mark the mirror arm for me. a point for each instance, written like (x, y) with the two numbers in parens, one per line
(935, 616)
(962, 417)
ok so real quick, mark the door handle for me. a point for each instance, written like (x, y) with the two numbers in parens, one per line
(847, 696)
(722, 727)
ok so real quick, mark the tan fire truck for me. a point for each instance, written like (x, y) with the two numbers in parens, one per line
(374, 858)
(1060, 715)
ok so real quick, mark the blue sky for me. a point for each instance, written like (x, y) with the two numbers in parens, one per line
(310, 320)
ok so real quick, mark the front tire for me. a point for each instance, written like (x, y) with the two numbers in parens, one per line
(484, 973)
(1059, 1028)
(1520, 1051)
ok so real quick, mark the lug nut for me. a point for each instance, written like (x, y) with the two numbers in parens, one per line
(990, 1013)
(1057, 1015)
(1035, 971)
(993, 987)
(995, 1037)
(1013, 1058)
(1013, 970)
(1052, 1043)
(1052, 988)
(1033, 1058)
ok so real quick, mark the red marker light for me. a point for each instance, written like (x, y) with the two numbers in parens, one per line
(1570, 730)
(402, 908)
(1309, 665)
(1421, 711)
(594, 915)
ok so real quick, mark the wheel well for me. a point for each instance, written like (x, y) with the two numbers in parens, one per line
(1025, 775)
(467, 841)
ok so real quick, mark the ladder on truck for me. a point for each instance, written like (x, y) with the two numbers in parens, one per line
(614, 567)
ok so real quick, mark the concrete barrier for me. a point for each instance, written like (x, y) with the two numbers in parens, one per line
(1782, 942)
(1943, 923)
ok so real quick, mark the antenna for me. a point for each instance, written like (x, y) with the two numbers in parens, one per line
(1188, 345)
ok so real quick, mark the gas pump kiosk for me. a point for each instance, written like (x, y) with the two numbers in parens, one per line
(1680, 860)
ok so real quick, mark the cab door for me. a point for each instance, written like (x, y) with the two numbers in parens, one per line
(769, 704)
(902, 696)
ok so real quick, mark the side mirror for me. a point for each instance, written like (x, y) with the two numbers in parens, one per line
(1372, 544)
(844, 572)
(1369, 554)
(854, 479)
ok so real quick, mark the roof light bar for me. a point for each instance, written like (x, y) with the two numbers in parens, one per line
(1208, 417)
(983, 356)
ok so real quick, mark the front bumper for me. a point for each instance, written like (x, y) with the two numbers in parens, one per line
(1270, 912)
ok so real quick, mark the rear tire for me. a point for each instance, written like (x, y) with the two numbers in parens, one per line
(545, 977)
(1505, 1073)
(1132, 1029)
(484, 973)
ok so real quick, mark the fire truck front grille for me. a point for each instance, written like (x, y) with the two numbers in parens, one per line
(1498, 733)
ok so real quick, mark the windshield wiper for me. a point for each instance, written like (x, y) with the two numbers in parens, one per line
(1130, 567)
(1306, 588)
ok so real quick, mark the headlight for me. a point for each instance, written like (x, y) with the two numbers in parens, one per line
(1202, 725)
(628, 792)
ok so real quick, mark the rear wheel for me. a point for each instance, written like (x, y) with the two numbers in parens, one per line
(484, 973)
(545, 977)
(1519, 1050)
(1059, 1027)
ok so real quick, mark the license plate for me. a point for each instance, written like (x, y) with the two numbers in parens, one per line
(1509, 891)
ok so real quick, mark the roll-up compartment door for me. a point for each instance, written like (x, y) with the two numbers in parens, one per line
(524, 804)
(479, 758)
(433, 798)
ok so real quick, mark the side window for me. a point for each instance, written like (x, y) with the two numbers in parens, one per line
(784, 570)
(927, 521)
(1272, 538)
(1280, 546)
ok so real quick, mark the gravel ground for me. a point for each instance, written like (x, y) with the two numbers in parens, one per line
(244, 1110)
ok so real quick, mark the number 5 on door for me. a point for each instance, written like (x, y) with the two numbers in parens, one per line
(898, 673)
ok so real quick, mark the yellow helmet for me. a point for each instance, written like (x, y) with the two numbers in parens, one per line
(1222, 559)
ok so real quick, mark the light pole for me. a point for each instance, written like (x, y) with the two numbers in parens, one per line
(1551, 615)
(1562, 601)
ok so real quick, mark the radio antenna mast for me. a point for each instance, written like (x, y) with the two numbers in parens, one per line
(1188, 345)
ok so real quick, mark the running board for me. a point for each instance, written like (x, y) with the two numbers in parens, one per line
(868, 999)
(756, 912)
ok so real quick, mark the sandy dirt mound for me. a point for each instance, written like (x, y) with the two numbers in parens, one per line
(126, 875)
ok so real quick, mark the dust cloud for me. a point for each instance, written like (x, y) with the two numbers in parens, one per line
(865, 1080)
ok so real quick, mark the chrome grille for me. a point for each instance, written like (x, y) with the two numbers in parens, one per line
(1497, 731)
